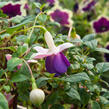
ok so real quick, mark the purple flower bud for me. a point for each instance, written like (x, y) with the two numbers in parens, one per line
(26, 6)
(76, 7)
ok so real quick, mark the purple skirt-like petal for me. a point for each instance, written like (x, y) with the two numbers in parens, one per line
(57, 64)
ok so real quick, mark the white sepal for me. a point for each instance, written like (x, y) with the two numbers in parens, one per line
(49, 40)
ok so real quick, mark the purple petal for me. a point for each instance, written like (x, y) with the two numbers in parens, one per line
(89, 6)
(101, 25)
(65, 60)
(60, 16)
(49, 64)
(59, 63)
(11, 10)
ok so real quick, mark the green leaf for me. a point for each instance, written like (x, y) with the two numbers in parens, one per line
(22, 49)
(12, 63)
(57, 106)
(51, 99)
(76, 78)
(41, 81)
(24, 22)
(84, 95)
(91, 44)
(102, 67)
(95, 105)
(89, 37)
(12, 48)
(88, 66)
(17, 19)
(37, 5)
(73, 94)
(106, 95)
(104, 101)
(18, 77)
(102, 50)
(3, 102)
(42, 18)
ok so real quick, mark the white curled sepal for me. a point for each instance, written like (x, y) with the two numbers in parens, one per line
(37, 96)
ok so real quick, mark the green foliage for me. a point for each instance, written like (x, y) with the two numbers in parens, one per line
(73, 94)
(82, 85)
(3, 102)
(12, 63)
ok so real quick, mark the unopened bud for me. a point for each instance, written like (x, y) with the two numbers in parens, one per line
(37, 96)
(8, 57)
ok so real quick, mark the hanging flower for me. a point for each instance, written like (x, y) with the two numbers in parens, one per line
(55, 61)
(101, 25)
(106, 55)
(12, 9)
(62, 16)
(89, 5)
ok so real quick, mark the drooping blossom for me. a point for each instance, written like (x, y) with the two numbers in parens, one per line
(12, 9)
(101, 25)
(89, 5)
(106, 55)
(55, 61)
(60, 15)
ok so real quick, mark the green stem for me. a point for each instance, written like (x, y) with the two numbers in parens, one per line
(34, 24)
(34, 86)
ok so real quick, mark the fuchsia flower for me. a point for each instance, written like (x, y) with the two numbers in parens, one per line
(55, 61)
(101, 25)
(60, 15)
